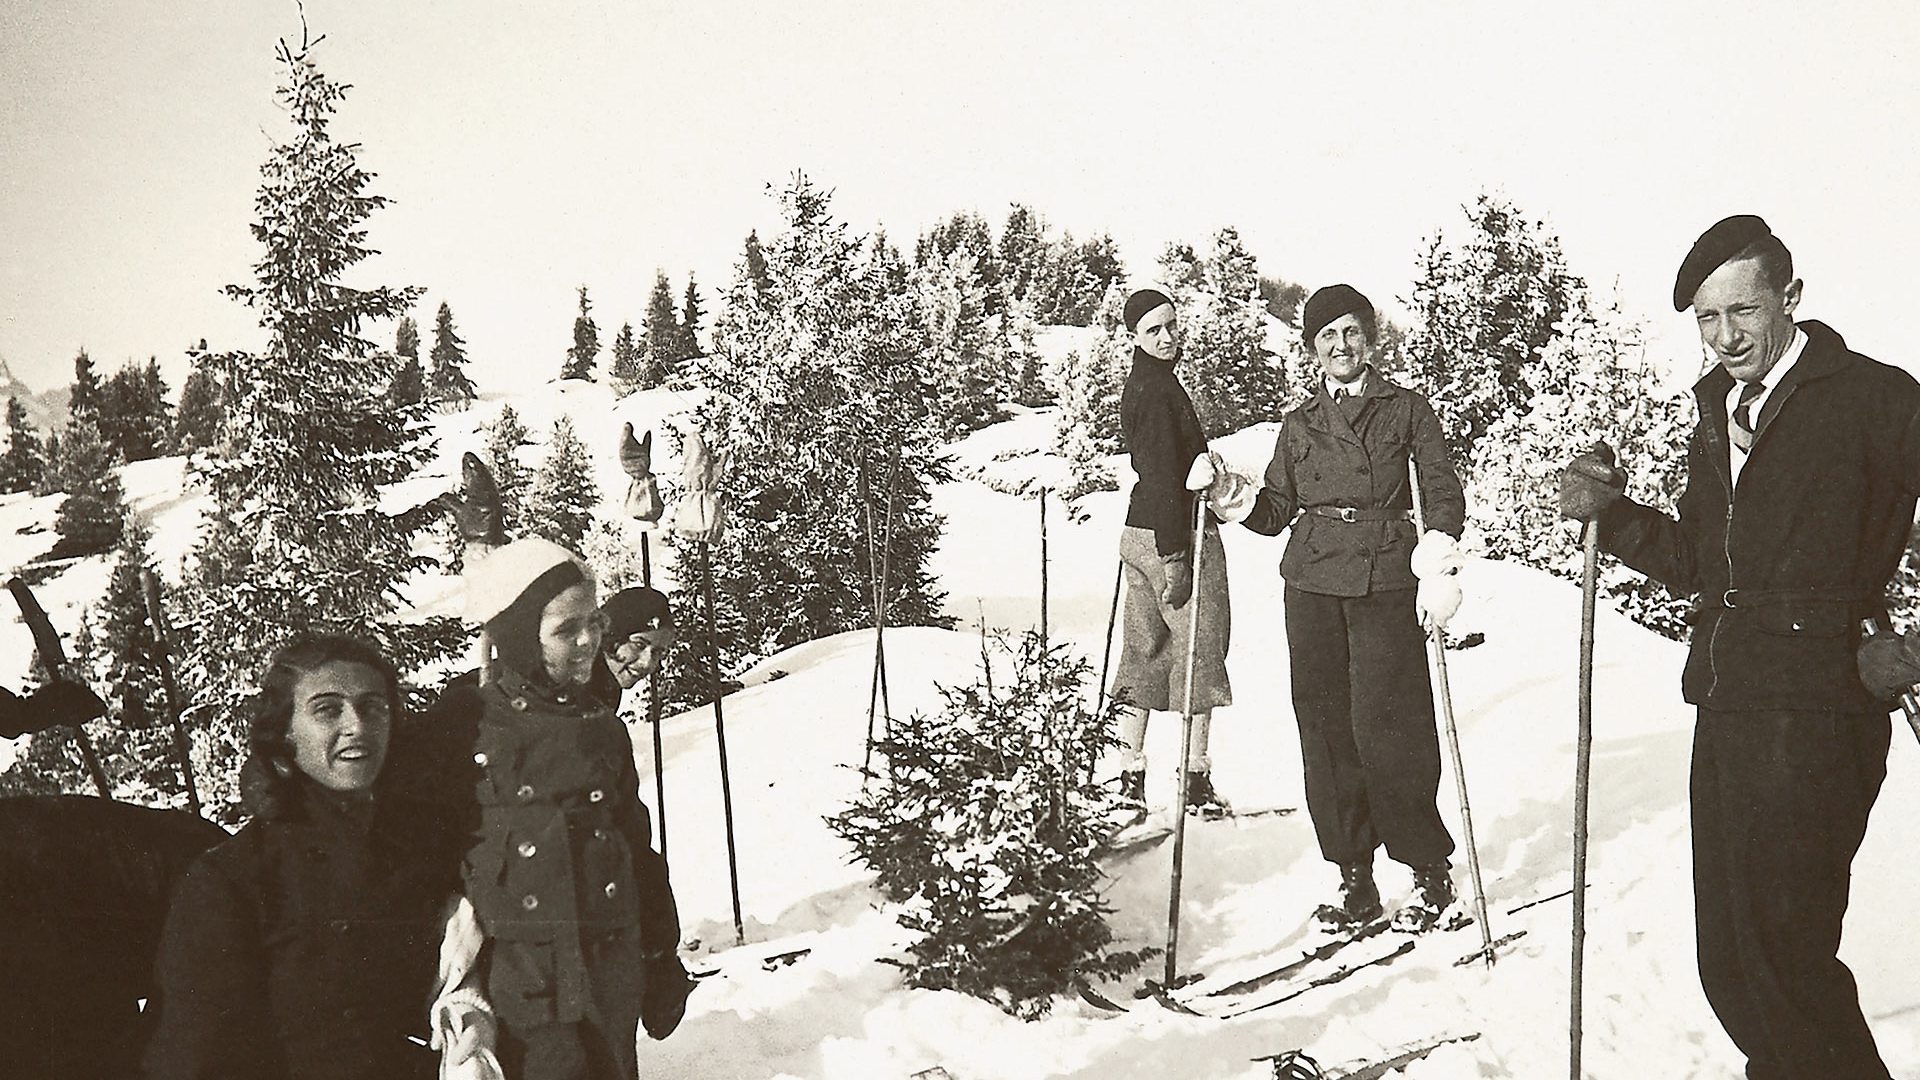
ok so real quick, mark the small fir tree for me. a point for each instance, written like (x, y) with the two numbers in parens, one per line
(661, 333)
(984, 827)
(24, 463)
(628, 372)
(448, 384)
(586, 343)
(89, 520)
(409, 378)
(505, 436)
(691, 312)
(560, 506)
(1023, 252)
(83, 398)
(196, 423)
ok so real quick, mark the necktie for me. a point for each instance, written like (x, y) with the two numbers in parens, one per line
(1742, 430)
(1340, 395)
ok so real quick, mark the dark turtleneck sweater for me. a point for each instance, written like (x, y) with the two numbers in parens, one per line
(1161, 434)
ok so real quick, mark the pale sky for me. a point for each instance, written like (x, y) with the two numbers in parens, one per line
(533, 148)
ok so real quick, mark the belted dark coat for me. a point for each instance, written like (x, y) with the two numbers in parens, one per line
(305, 947)
(1783, 586)
(1327, 461)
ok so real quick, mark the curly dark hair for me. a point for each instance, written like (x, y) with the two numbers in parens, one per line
(267, 776)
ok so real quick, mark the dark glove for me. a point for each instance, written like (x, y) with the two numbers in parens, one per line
(1590, 483)
(64, 704)
(668, 986)
(1889, 664)
(1179, 587)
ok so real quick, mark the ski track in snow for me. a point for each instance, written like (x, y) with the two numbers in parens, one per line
(795, 736)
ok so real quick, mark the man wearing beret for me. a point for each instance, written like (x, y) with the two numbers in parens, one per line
(1801, 478)
(1163, 439)
(1359, 584)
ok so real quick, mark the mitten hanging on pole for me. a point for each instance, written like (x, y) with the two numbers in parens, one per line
(699, 516)
(477, 515)
(644, 506)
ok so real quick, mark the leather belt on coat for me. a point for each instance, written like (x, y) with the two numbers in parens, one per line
(1354, 513)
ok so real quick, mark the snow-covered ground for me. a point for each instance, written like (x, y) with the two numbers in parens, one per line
(796, 731)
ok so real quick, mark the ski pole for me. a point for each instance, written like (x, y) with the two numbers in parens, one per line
(163, 655)
(1186, 741)
(1106, 654)
(653, 711)
(1583, 755)
(1043, 569)
(1453, 737)
(720, 739)
(877, 690)
(53, 656)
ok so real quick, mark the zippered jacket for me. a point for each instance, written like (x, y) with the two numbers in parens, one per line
(1784, 570)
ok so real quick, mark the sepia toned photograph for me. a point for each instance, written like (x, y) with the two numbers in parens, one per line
(859, 541)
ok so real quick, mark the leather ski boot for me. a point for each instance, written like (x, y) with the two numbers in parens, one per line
(1202, 800)
(1359, 904)
(1434, 902)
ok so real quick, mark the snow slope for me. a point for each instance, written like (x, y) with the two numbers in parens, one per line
(795, 734)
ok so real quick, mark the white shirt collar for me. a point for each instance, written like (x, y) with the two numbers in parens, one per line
(1781, 366)
(1353, 388)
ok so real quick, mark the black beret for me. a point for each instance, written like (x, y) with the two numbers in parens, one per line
(637, 610)
(1728, 237)
(1328, 304)
(1140, 303)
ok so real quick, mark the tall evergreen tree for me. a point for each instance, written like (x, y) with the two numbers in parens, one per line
(24, 463)
(448, 384)
(298, 538)
(628, 372)
(969, 232)
(586, 343)
(1023, 251)
(662, 331)
(756, 263)
(90, 518)
(50, 476)
(505, 436)
(196, 423)
(410, 379)
(132, 413)
(814, 380)
(690, 316)
(83, 399)
(560, 506)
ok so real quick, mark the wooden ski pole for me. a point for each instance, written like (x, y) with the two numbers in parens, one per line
(880, 614)
(1453, 736)
(1186, 743)
(1043, 569)
(1106, 652)
(163, 655)
(1583, 756)
(720, 739)
(653, 711)
(53, 656)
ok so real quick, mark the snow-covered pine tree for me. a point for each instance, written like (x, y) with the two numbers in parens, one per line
(560, 505)
(660, 331)
(755, 261)
(1022, 252)
(196, 423)
(505, 436)
(971, 372)
(1485, 305)
(815, 377)
(24, 462)
(50, 476)
(966, 232)
(1233, 379)
(297, 538)
(409, 385)
(627, 373)
(90, 518)
(83, 397)
(983, 825)
(586, 343)
(133, 412)
(447, 382)
(691, 312)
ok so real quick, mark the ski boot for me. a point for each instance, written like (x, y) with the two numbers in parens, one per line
(1359, 905)
(1434, 903)
(1202, 800)
(1132, 804)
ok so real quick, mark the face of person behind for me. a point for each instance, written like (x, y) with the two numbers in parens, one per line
(1745, 323)
(570, 630)
(1158, 333)
(341, 720)
(1342, 348)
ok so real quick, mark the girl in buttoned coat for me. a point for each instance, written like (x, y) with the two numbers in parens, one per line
(573, 901)
(304, 947)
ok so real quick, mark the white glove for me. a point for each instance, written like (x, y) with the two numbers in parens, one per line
(1232, 496)
(1437, 555)
(1201, 473)
(465, 1032)
(1437, 599)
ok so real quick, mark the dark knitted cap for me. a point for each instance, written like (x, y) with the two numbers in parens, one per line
(1140, 303)
(1728, 237)
(638, 610)
(1328, 304)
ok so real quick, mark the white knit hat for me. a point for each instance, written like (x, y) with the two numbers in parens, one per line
(497, 579)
